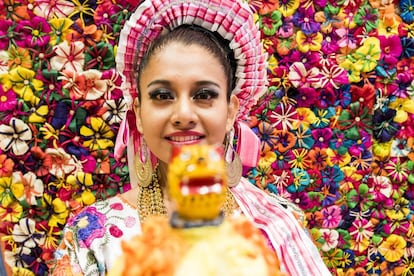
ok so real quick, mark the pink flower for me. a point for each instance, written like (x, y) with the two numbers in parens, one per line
(390, 46)
(115, 231)
(117, 206)
(333, 76)
(331, 216)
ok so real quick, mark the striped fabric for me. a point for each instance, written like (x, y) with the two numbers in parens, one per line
(296, 251)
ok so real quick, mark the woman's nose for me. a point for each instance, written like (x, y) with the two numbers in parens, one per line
(184, 115)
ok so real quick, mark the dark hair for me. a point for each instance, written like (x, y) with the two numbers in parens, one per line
(195, 35)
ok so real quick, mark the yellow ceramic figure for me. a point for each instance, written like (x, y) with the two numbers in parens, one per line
(197, 181)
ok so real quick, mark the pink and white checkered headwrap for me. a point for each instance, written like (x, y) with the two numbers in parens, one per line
(231, 19)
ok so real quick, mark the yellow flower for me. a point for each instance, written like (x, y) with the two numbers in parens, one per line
(402, 106)
(400, 209)
(39, 114)
(99, 136)
(382, 150)
(86, 198)
(335, 158)
(310, 42)
(11, 212)
(393, 248)
(354, 75)
(388, 28)
(24, 83)
(288, 8)
(306, 117)
(267, 159)
(19, 57)
(368, 55)
(60, 29)
(351, 176)
(60, 211)
(272, 63)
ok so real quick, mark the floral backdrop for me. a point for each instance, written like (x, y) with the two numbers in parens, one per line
(336, 124)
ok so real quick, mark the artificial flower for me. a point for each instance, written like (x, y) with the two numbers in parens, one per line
(367, 55)
(303, 19)
(283, 117)
(59, 212)
(328, 239)
(36, 31)
(384, 126)
(393, 248)
(11, 212)
(55, 9)
(19, 57)
(288, 7)
(14, 136)
(299, 76)
(100, 56)
(33, 187)
(60, 29)
(407, 44)
(24, 83)
(269, 23)
(98, 136)
(10, 35)
(89, 34)
(397, 169)
(69, 56)
(310, 42)
(61, 162)
(407, 13)
(331, 216)
(6, 166)
(26, 233)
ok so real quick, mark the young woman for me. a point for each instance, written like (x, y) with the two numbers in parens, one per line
(192, 70)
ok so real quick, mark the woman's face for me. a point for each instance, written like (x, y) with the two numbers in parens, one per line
(183, 99)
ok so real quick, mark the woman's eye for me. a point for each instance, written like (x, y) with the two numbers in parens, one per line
(161, 95)
(205, 94)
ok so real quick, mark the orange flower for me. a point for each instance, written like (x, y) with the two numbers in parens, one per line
(318, 157)
(6, 166)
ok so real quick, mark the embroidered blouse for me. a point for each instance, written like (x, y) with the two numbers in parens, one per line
(92, 239)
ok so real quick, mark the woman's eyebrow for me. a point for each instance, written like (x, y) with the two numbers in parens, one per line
(167, 83)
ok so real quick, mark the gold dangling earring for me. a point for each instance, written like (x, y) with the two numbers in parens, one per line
(234, 165)
(143, 166)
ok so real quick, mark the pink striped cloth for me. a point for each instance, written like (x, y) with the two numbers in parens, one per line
(231, 19)
(297, 253)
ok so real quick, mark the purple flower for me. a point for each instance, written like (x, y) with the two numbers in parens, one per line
(304, 19)
(90, 224)
(384, 126)
(322, 137)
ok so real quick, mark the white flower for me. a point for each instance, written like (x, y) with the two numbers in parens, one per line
(25, 233)
(4, 59)
(330, 237)
(14, 136)
(50, 9)
(69, 56)
(115, 111)
(62, 164)
(33, 186)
